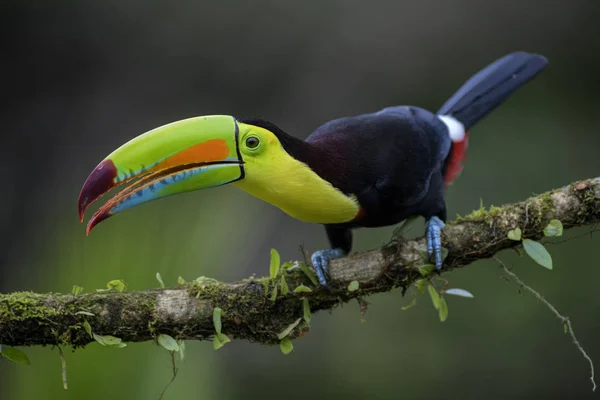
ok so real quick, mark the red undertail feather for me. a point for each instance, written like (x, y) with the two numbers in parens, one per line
(458, 154)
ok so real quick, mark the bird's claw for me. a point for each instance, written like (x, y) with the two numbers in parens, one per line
(320, 261)
(434, 240)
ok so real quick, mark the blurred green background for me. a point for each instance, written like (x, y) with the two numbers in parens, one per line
(81, 78)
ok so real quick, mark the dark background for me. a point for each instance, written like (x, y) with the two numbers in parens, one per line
(81, 78)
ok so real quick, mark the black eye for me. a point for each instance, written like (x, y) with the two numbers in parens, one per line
(252, 142)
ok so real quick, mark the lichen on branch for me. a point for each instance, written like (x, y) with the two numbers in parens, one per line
(248, 310)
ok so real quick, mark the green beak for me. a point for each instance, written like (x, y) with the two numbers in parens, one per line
(191, 154)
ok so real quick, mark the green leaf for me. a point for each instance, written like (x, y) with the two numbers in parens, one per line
(217, 343)
(99, 339)
(180, 280)
(353, 286)
(410, 305)
(302, 289)
(77, 290)
(108, 340)
(274, 294)
(168, 342)
(217, 319)
(117, 284)
(15, 355)
(306, 309)
(554, 228)
(443, 310)
(88, 328)
(435, 296)
(275, 263)
(308, 272)
(181, 344)
(538, 253)
(515, 234)
(288, 265)
(426, 269)
(290, 328)
(223, 338)
(460, 292)
(111, 340)
(420, 285)
(286, 346)
(89, 314)
(284, 286)
(202, 280)
(220, 340)
(159, 279)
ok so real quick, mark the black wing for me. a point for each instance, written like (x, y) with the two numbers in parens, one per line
(390, 160)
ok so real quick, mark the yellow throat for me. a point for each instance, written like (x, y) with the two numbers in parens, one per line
(274, 176)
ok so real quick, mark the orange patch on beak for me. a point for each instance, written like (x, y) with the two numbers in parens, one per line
(209, 151)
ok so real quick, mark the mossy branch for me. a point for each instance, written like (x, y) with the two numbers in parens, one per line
(186, 311)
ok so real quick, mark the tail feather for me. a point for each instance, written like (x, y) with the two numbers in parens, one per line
(491, 86)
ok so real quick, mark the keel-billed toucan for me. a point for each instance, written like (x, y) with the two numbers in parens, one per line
(365, 171)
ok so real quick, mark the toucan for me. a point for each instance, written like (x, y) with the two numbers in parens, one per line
(369, 170)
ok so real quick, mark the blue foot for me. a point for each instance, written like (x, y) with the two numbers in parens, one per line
(320, 261)
(434, 240)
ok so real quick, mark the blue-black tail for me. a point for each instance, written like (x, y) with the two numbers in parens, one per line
(491, 86)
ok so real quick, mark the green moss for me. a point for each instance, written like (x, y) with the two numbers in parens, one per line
(149, 305)
(205, 288)
(22, 306)
(590, 203)
(537, 208)
(480, 215)
(66, 337)
(249, 301)
(545, 205)
(475, 215)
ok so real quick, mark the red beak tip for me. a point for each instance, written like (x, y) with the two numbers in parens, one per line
(100, 181)
(96, 219)
(89, 227)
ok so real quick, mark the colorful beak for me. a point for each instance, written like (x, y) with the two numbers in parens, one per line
(191, 154)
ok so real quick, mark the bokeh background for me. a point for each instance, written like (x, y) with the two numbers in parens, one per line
(81, 78)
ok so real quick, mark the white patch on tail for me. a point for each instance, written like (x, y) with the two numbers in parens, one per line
(455, 128)
(458, 153)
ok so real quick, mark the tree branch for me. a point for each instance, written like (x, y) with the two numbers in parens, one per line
(186, 311)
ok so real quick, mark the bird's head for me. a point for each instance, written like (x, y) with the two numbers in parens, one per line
(204, 152)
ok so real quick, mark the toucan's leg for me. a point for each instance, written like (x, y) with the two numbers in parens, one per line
(434, 240)
(341, 244)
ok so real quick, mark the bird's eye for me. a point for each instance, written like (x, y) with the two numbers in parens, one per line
(252, 142)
